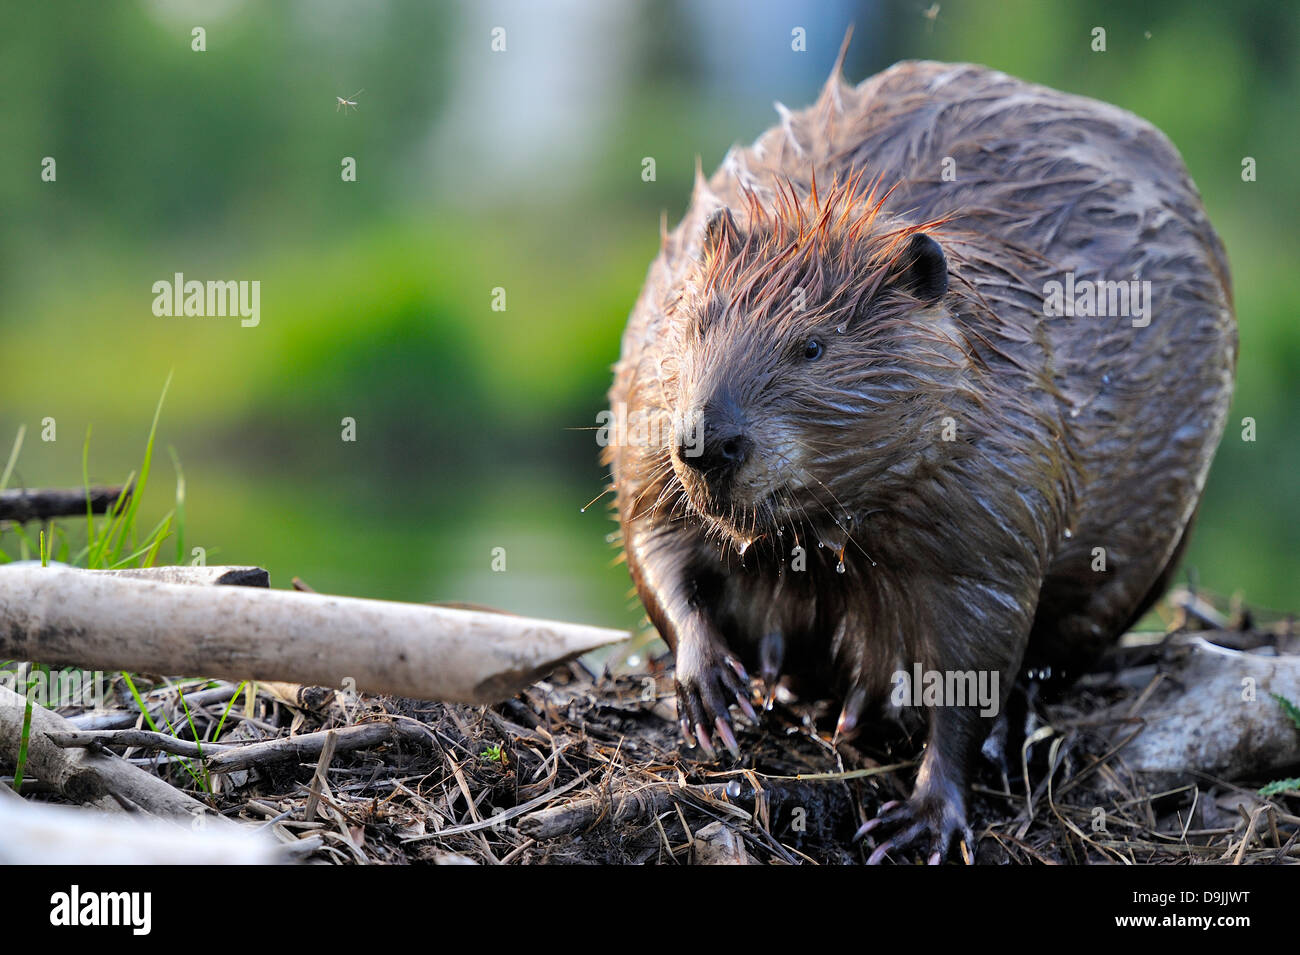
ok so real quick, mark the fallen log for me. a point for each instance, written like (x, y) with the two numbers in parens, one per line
(58, 615)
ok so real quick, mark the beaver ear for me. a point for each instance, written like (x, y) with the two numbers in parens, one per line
(923, 268)
(721, 228)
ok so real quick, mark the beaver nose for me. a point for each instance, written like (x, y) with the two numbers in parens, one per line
(719, 456)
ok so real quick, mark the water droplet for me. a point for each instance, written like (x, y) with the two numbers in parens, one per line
(839, 568)
(733, 789)
(842, 328)
(582, 510)
(821, 544)
(1074, 412)
(1068, 533)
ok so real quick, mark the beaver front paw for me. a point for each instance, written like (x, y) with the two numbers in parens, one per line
(708, 679)
(929, 819)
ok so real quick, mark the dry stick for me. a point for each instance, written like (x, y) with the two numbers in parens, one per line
(24, 505)
(234, 757)
(140, 739)
(58, 615)
(307, 746)
(318, 778)
(1286, 849)
(1251, 819)
(85, 775)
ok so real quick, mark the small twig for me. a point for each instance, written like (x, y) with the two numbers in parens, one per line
(1251, 819)
(318, 778)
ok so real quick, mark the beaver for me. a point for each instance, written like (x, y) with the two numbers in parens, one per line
(927, 380)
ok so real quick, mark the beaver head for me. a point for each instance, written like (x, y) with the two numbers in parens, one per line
(814, 347)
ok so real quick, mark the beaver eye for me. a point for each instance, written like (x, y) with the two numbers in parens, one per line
(813, 349)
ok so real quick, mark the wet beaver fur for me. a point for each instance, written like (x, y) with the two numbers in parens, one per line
(862, 436)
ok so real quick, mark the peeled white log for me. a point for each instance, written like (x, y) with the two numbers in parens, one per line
(1213, 713)
(38, 834)
(62, 616)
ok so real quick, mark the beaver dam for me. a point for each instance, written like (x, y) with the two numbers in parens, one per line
(586, 767)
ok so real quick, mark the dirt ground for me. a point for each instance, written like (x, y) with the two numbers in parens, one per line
(586, 767)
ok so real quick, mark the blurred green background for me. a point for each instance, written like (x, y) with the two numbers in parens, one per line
(520, 170)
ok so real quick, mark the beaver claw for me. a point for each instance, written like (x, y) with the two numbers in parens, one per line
(931, 821)
(706, 685)
(771, 656)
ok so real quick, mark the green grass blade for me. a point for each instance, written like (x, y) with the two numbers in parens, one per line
(139, 701)
(1281, 786)
(26, 737)
(180, 506)
(202, 778)
(226, 712)
(1289, 708)
(13, 457)
(138, 492)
